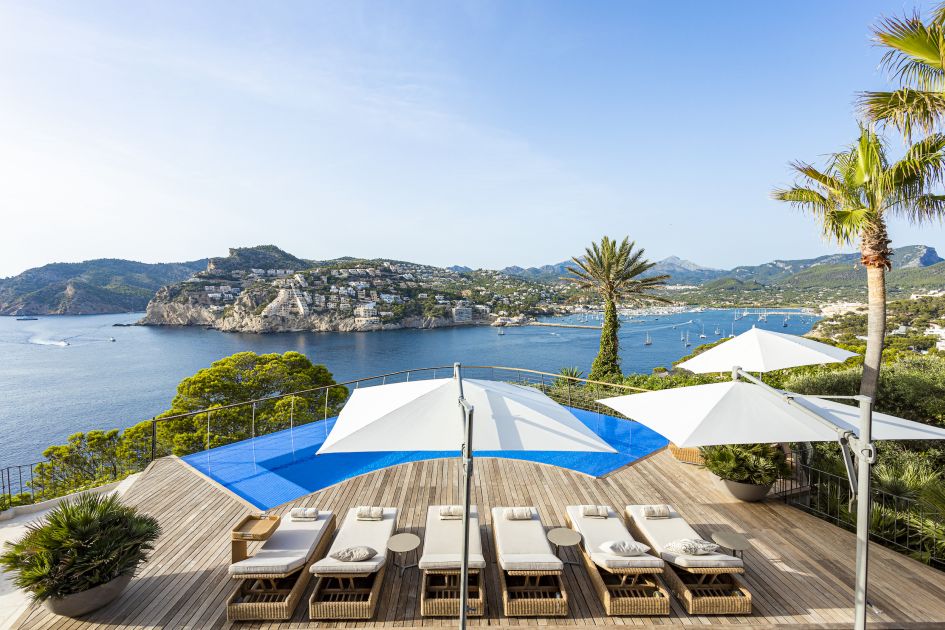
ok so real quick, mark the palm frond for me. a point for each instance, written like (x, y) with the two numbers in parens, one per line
(906, 109)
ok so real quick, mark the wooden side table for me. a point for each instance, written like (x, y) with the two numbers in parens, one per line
(252, 527)
(403, 544)
(563, 537)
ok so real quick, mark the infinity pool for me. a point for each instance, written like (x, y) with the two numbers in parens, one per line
(273, 469)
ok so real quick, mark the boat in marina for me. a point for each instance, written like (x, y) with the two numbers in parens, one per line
(647, 341)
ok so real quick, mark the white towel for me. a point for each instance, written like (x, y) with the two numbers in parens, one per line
(451, 512)
(368, 513)
(518, 514)
(595, 511)
(656, 511)
(303, 514)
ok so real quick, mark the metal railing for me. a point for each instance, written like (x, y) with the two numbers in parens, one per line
(249, 419)
(910, 526)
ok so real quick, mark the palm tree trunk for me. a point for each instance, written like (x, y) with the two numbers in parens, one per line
(875, 256)
(607, 363)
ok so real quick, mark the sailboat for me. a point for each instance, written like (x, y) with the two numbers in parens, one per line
(647, 341)
(784, 323)
(702, 336)
(682, 336)
(687, 339)
(501, 331)
(718, 331)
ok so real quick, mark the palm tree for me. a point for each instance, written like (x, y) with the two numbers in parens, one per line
(615, 272)
(852, 198)
(916, 59)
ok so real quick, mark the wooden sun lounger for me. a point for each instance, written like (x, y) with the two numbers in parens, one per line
(707, 584)
(530, 575)
(350, 590)
(441, 563)
(273, 580)
(625, 585)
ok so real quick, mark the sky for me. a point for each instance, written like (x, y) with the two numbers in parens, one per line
(483, 133)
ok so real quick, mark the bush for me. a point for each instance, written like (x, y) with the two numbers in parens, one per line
(759, 464)
(83, 543)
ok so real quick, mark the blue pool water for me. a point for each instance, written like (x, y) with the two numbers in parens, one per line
(273, 469)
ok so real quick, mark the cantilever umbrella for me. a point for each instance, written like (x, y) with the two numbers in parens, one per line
(437, 415)
(729, 413)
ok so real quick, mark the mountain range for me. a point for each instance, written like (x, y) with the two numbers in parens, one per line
(114, 286)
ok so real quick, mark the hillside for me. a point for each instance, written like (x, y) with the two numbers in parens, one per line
(105, 285)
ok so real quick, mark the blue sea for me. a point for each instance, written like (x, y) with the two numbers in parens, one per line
(62, 374)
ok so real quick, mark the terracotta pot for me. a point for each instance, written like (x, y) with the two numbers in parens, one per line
(746, 491)
(78, 604)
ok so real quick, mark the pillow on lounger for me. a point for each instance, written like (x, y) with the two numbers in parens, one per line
(595, 511)
(690, 547)
(451, 512)
(624, 548)
(354, 554)
(518, 514)
(368, 513)
(303, 514)
(656, 511)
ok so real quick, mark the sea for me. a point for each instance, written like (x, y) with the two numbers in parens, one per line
(64, 374)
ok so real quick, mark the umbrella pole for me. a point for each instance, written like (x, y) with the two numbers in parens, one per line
(467, 410)
(865, 455)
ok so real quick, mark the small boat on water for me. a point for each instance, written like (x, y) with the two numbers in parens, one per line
(718, 331)
(501, 331)
(112, 339)
(702, 336)
(26, 319)
(687, 339)
(647, 341)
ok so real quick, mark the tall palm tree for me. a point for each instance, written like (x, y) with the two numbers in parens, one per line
(852, 198)
(615, 272)
(915, 57)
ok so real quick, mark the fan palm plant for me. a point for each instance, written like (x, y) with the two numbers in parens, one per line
(852, 199)
(915, 57)
(616, 272)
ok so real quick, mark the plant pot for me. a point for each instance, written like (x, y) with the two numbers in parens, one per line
(78, 604)
(746, 491)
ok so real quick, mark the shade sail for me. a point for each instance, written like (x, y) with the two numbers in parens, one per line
(736, 412)
(758, 350)
(425, 416)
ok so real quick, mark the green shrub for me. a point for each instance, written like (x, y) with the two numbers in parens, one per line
(759, 464)
(83, 543)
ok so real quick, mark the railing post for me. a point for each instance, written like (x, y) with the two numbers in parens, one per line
(153, 438)
(568, 381)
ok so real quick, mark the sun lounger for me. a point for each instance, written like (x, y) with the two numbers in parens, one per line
(706, 584)
(626, 585)
(273, 580)
(529, 573)
(441, 563)
(349, 590)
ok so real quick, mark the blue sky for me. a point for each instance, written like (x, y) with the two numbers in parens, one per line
(477, 133)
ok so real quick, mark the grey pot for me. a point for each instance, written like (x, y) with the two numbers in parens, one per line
(746, 491)
(78, 604)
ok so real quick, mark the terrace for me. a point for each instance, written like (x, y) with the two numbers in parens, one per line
(799, 568)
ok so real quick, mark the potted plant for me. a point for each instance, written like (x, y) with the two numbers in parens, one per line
(83, 555)
(746, 470)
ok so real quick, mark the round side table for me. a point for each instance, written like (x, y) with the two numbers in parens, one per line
(403, 544)
(563, 537)
(738, 543)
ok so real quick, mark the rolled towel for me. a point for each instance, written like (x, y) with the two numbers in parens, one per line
(595, 511)
(303, 514)
(656, 511)
(518, 514)
(369, 513)
(451, 512)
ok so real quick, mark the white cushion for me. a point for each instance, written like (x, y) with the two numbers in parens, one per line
(369, 513)
(354, 533)
(288, 549)
(656, 511)
(624, 548)
(443, 541)
(597, 531)
(518, 513)
(354, 554)
(691, 547)
(595, 511)
(658, 533)
(522, 545)
(303, 514)
(448, 512)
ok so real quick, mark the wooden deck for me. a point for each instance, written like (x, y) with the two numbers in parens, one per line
(800, 569)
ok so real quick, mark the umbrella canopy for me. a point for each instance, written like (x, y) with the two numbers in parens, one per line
(758, 350)
(424, 416)
(736, 412)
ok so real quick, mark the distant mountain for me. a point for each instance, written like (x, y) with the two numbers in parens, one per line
(258, 257)
(106, 285)
(545, 273)
(682, 271)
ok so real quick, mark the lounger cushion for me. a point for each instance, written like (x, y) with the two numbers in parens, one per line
(656, 511)
(624, 548)
(354, 554)
(522, 545)
(287, 550)
(597, 531)
(660, 532)
(519, 513)
(595, 511)
(370, 513)
(443, 542)
(303, 514)
(451, 512)
(353, 533)
(691, 547)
